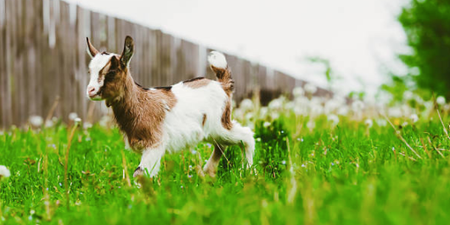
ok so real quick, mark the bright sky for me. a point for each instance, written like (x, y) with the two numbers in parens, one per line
(360, 38)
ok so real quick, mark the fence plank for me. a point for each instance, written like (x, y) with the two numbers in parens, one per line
(43, 48)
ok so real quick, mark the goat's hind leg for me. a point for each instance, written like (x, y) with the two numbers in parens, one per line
(211, 166)
(150, 162)
(238, 135)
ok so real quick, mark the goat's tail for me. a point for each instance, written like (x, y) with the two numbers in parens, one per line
(219, 66)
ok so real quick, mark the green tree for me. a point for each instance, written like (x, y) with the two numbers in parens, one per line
(427, 25)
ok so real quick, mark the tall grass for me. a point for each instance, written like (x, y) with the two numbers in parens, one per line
(349, 172)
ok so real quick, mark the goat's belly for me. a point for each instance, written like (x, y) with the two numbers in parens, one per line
(182, 133)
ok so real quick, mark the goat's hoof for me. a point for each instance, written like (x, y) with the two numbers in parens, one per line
(138, 172)
(210, 173)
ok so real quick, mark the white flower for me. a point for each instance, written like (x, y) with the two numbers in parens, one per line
(299, 110)
(381, 122)
(369, 123)
(263, 111)
(36, 121)
(274, 115)
(395, 112)
(414, 118)
(358, 105)
(77, 121)
(49, 123)
(4, 172)
(310, 88)
(298, 91)
(249, 116)
(246, 104)
(446, 107)
(418, 99)
(440, 100)
(311, 124)
(73, 116)
(343, 110)
(290, 105)
(87, 125)
(266, 124)
(333, 119)
(408, 95)
(276, 104)
(316, 110)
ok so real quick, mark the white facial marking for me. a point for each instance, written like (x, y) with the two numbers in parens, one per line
(97, 63)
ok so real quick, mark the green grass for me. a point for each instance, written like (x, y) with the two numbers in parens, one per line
(349, 174)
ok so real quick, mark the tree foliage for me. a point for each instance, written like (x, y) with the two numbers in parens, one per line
(427, 25)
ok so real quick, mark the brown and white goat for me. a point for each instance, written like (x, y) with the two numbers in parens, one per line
(160, 119)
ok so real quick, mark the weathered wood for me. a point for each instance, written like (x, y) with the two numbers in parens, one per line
(43, 56)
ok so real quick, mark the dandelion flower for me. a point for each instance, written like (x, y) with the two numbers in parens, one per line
(369, 123)
(73, 116)
(381, 122)
(333, 119)
(49, 123)
(246, 104)
(311, 124)
(414, 118)
(87, 125)
(77, 121)
(36, 121)
(440, 100)
(263, 111)
(298, 91)
(276, 104)
(358, 105)
(408, 95)
(310, 88)
(4, 172)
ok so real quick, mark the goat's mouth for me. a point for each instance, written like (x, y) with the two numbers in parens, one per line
(95, 97)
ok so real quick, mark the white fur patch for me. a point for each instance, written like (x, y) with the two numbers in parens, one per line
(183, 124)
(217, 59)
(197, 116)
(97, 63)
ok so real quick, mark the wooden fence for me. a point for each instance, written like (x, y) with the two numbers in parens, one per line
(43, 55)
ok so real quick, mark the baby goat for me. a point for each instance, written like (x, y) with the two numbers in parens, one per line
(160, 119)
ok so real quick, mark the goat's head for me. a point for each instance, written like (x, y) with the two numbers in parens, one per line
(108, 72)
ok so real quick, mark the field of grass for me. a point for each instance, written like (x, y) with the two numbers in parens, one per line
(328, 172)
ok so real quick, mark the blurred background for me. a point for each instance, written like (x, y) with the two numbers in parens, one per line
(374, 51)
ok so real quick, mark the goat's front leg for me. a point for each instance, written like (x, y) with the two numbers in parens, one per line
(150, 162)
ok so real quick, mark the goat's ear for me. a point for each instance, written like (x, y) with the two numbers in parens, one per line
(127, 53)
(114, 62)
(91, 50)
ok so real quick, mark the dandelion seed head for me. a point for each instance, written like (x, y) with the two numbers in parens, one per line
(73, 116)
(36, 121)
(4, 172)
(440, 100)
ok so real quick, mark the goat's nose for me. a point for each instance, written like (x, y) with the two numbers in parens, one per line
(91, 91)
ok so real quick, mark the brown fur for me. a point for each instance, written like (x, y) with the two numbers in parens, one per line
(211, 166)
(226, 116)
(224, 77)
(204, 120)
(139, 112)
(197, 83)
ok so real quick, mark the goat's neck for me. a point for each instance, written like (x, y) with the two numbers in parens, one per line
(126, 107)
